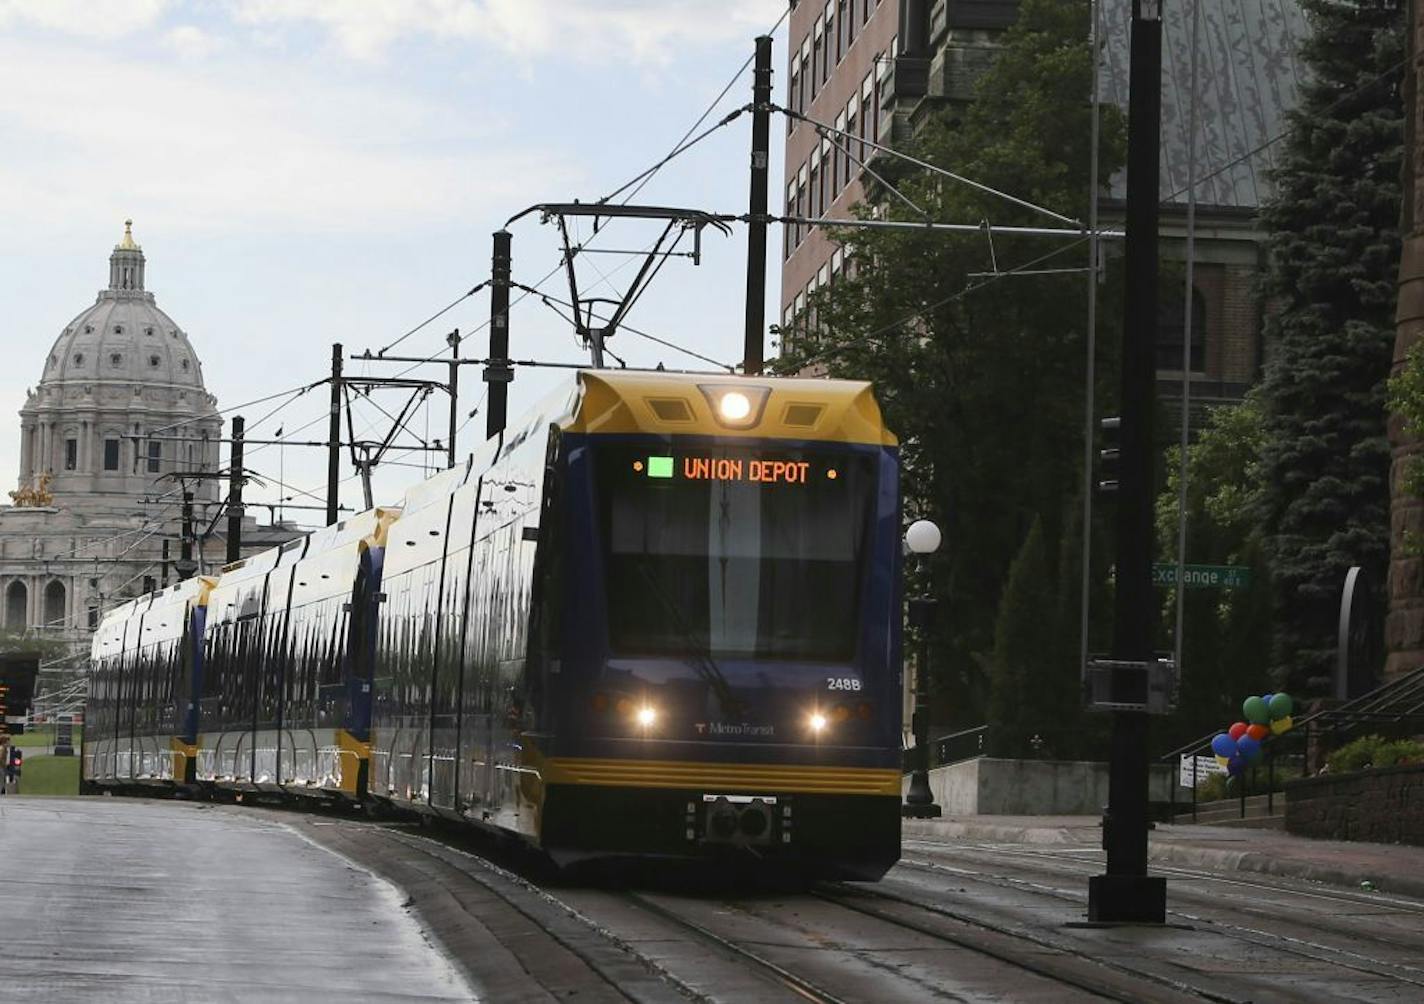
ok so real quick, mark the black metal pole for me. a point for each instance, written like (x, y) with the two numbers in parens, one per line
(333, 438)
(499, 372)
(1125, 892)
(186, 566)
(454, 339)
(234, 493)
(756, 211)
(165, 562)
(919, 800)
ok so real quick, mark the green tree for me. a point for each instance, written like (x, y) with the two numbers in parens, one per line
(1333, 255)
(981, 377)
(1033, 691)
(1226, 634)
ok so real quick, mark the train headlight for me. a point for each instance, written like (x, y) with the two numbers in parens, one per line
(818, 722)
(736, 406)
(647, 716)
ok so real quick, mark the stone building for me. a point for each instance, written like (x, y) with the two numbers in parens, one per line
(119, 410)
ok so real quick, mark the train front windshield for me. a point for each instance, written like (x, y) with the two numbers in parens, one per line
(735, 552)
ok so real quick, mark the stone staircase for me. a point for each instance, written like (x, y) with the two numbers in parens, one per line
(1227, 812)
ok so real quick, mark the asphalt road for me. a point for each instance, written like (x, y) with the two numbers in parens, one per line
(105, 899)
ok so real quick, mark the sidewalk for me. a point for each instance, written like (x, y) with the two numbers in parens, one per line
(1389, 868)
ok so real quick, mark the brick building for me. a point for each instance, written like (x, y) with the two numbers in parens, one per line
(881, 69)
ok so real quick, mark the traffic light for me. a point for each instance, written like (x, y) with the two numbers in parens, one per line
(1110, 455)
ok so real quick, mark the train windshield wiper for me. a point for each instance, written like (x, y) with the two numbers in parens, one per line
(699, 655)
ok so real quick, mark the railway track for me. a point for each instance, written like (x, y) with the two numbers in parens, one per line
(1271, 929)
(950, 923)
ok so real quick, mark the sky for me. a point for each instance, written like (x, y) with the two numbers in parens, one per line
(304, 172)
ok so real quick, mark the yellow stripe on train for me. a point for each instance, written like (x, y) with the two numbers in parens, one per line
(351, 752)
(723, 777)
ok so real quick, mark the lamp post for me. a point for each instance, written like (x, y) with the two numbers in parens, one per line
(922, 539)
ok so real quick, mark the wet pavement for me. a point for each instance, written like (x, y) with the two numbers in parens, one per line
(132, 900)
(139, 900)
(1386, 868)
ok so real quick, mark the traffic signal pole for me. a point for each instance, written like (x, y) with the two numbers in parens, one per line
(1126, 893)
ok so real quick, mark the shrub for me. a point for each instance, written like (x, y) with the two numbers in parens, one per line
(1374, 751)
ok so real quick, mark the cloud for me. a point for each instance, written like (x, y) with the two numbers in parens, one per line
(85, 18)
(191, 43)
(648, 31)
(232, 145)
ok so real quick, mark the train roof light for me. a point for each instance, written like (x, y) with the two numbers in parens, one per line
(736, 406)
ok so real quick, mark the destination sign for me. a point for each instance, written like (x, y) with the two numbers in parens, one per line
(692, 468)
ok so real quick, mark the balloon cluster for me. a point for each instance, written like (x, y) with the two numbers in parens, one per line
(1240, 745)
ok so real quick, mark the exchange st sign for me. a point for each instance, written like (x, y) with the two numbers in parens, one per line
(1203, 576)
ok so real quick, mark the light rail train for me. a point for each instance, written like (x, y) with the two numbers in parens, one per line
(658, 617)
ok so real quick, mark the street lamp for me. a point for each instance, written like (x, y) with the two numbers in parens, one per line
(923, 539)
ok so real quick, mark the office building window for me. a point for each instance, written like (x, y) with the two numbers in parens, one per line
(791, 92)
(155, 456)
(111, 454)
(818, 58)
(818, 191)
(788, 234)
(1171, 324)
(830, 17)
(868, 110)
(71, 454)
(802, 197)
(848, 19)
(838, 158)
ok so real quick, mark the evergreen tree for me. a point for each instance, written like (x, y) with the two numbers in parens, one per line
(1033, 698)
(1333, 254)
(981, 379)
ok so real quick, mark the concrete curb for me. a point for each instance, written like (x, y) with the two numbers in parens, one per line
(1163, 849)
(1266, 864)
(1044, 836)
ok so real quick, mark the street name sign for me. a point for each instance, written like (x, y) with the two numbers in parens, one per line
(1203, 576)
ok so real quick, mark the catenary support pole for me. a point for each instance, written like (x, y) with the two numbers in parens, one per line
(234, 492)
(186, 566)
(756, 210)
(165, 563)
(333, 438)
(499, 372)
(1126, 893)
(454, 341)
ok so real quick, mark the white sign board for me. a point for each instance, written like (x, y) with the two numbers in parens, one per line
(1206, 766)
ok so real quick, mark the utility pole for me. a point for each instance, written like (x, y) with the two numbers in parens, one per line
(333, 437)
(1126, 893)
(165, 562)
(453, 340)
(186, 565)
(498, 373)
(756, 210)
(234, 492)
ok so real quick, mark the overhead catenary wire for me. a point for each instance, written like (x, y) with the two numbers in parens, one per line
(434, 317)
(638, 182)
(644, 177)
(822, 128)
(547, 297)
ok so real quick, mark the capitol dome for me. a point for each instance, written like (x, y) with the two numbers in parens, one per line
(121, 400)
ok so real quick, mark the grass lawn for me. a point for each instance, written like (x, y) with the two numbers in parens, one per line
(43, 735)
(50, 775)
